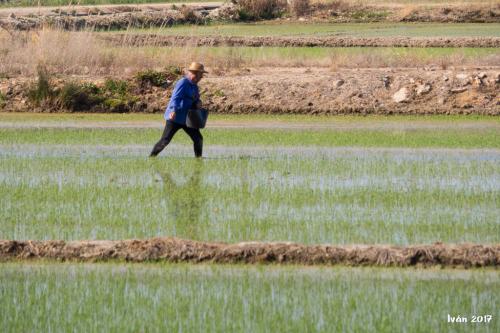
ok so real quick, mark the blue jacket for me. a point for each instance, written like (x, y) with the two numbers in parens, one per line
(184, 97)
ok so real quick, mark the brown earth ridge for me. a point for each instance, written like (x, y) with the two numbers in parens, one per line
(180, 250)
(302, 91)
(160, 15)
(139, 40)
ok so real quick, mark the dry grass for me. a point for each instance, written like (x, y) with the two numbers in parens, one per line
(335, 5)
(300, 7)
(61, 52)
(82, 53)
(381, 60)
(260, 9)
(68, 53)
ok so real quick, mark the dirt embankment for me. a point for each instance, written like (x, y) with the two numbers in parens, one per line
(297, 91)
(179, 250)
(376, 91)
(154, 15)
(346, 12)
(310, 41)
(120, 18)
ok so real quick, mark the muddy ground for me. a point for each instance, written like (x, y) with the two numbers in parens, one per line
(300, 91)
(139, 40)
(159, 15)
(179, 250)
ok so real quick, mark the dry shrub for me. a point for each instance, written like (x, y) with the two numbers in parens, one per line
(300, 7)
(231, 61)
(42, 89)
(260, 9)
(188, 14)
(151, 78)
(444, 62)
(337, 61)
(336, 5)
(79, 96)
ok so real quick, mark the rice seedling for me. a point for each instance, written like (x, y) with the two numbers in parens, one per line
(243, 192)
(158, 298)
(411, 138)
(379, 29)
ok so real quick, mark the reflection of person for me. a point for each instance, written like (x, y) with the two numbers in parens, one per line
(185, 96)
(186, 199)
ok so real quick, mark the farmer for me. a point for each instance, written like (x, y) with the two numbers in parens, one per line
(185, 96)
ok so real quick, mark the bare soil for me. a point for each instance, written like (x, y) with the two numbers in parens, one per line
(369, 91)
(128, 39)
(377, 91)
(179, 250)
(309, 91)
(82, 10)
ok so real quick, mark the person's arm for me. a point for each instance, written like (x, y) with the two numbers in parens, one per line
(177, 98)
(197, 102)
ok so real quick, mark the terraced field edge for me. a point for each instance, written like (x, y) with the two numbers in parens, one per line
(157, 40)
(182, 250)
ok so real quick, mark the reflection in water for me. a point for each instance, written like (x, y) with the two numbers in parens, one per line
(246, 197)
(186, 199)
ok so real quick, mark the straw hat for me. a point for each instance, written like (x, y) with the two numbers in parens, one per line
(197, 67)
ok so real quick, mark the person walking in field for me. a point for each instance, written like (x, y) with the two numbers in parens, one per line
(184, 104)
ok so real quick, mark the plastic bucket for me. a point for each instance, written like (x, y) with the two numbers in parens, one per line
(197, 118)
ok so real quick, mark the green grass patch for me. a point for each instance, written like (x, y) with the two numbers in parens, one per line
(78, 97)
(113, 96)
(156, 78)
(171, 298)
(382, 57)
(116, 87)
(285, 118)
(42, 90)
(328, 29)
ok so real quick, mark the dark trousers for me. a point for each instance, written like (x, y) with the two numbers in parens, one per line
(168, 133)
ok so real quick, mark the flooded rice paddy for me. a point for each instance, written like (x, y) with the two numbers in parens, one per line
(380, 29)
(159, 298)
(311, 195)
